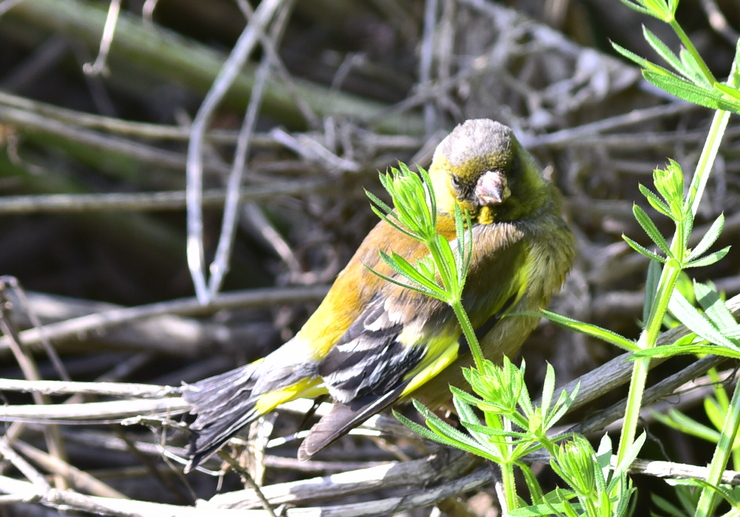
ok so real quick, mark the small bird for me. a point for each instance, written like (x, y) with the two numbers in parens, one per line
(372, 343)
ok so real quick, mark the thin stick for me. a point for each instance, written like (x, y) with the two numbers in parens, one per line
(226, 76)
(99, 67)
(185, 306)
(153, 201)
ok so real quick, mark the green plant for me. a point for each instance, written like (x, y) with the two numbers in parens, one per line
(512, 426)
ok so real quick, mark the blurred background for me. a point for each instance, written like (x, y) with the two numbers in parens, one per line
(94, 147)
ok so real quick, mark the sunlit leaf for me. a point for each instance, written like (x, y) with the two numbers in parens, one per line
(709, 238)
(663, 50)
(587, 328)
(693, 70)
(642, 250)
(671, 350)
(697, 322)
(654, 200)
(690, 92)
(710, 259)
(714, 306)
(652, 231)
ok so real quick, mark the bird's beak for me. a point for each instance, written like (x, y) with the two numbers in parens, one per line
(492, 188)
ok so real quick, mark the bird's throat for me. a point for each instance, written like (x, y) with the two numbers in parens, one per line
(485, 215)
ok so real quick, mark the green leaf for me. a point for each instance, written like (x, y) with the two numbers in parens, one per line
(538, 510)
(714, 306)
(447, 265)
(710, 259)
(586, 328)
(533, 484)
(663, 51)
(403, 267)
(640, 61)
(395, 223)
(379, 202)
(637, 7)
(693, 69)
(715, 414)
(664, 10)
(548, 390)
(709, 238)
(464, 244)
(643, 250)
(468, 445)
(670, 184)
(604, 454)
(671, 350)
(732, 332)
(565, 400)
(630, 455)
(441, 432)
(690, 92)
(720, 393)
(654, 200)
(681, 422)
(429, 189)
(485, 434)
(651, 288)
(650, 228)
(402, 284)
(667, 507)
(697, 322)
(719, 489)
(465, 411)
(728, 90)
(685, 286)
(467, 397)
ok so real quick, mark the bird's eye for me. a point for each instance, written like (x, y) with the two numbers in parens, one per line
(515, 164)
(456, 182)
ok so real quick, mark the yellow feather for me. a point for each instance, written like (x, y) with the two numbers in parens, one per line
(307, 388)
(432, 370)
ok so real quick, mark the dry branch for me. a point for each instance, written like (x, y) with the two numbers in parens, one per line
(172, 57)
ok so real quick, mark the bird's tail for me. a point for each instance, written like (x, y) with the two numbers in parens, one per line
(224, 404)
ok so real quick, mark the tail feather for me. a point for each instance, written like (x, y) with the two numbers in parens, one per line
(223, 405)
(344, 417)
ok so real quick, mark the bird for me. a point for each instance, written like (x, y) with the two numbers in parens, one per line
(372, 343)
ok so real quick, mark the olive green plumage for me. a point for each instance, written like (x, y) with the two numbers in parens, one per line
(372, 343)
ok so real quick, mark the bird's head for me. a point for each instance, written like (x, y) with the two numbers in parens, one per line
(482, 167)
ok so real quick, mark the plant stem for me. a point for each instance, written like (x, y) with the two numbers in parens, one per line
(672, 268)
(648, 339)
(469, 333)
(711, 147)
(444, 268)
(692, 50)
(730, 427)
(721, 455)
(507, 474)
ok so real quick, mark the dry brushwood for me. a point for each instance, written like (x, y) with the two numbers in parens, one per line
(112, 122)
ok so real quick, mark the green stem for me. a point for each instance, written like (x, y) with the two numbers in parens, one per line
(670, 272)
(692, 50)
(508, 480)
(469, 333)
(721, 455)
(507, 475)
(634, 403)
(444, 269)
(648, 339)
(711, 147)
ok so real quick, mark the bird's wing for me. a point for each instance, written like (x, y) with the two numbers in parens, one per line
(403, 339)
(368, 369)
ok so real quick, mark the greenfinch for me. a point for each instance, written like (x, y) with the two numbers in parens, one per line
(372, 343)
